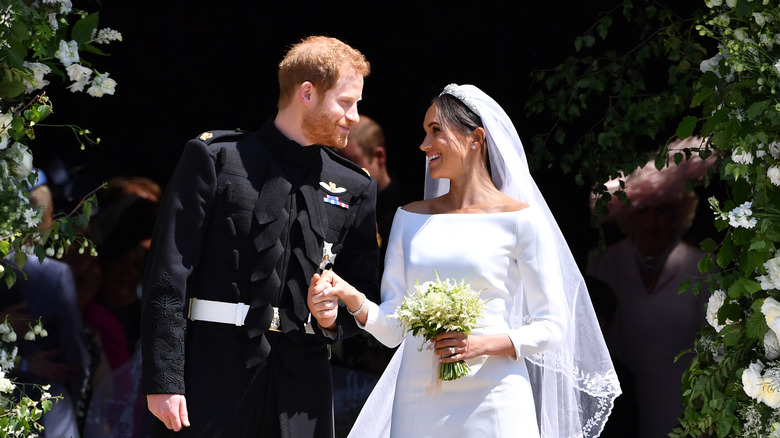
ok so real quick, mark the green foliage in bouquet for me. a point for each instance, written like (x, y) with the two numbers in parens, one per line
(435, 307)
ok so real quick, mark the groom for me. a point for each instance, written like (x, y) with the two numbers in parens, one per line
(229, 347)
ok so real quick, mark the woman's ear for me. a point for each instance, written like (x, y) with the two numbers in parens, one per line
(479, 135)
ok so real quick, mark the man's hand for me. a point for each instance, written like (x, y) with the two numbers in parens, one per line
(323, 305)
(171, 409)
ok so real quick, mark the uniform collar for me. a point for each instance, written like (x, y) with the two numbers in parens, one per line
(286, 150)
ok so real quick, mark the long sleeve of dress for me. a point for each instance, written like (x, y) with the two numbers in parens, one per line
(542, 288)
(384, 328)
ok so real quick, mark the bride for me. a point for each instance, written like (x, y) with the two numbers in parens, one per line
(539, 366)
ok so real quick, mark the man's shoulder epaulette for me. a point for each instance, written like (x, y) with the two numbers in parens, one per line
(346, 162)
(210, 137)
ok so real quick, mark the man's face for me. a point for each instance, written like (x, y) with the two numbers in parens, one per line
(328, 120)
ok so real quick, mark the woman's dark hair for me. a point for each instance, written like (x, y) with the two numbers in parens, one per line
(453, 112)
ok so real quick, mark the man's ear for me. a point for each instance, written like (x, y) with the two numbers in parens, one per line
(380, 155)
(307, 94)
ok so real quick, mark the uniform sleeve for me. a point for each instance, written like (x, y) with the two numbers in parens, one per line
(542, 289)
(358, 262)
(387, 330)
(174, 253)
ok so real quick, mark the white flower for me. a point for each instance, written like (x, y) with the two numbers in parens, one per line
(79, 75)
(5, 328)
(777, 67)
(713, 305)
(713, 3)
(774, 175)
(771, 345)
(774, 149)
(68, 53)
(65, 5)
(741, 34)
(741, 156)
(53, 22)
(9, 337)
(22, 160)
(5, 124)
(710, 64)
(29, 336)
(771, 310)
(760, 19)
(8, 360)
(5, 385)
(741, 216)
(767, 41)
(31, 217)
(38, 71)
(772, 279)
(731, 3)
(101, 85)
(770, 388)
(751, 380)
(105, 36)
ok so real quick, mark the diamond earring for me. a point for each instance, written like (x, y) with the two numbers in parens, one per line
(474, 146)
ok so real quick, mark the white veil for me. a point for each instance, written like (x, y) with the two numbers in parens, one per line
(574, 385)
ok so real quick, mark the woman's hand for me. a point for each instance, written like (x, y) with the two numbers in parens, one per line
(455, 346)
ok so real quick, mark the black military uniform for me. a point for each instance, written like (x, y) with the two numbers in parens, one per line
(245, 219)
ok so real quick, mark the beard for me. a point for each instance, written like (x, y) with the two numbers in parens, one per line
(323, 130)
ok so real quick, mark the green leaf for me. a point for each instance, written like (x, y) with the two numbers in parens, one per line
(750, 286)
(702, 96)
(755, 325)
(604, 26)
(705, 265)
(9, 90)
(708, 245)
(718, 117)
(82, 29)
(757, 108)
(686, 126)
(726, 254)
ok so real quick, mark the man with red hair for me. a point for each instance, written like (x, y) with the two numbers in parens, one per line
(229, 346)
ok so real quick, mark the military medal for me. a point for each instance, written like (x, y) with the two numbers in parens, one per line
(330, 199)
(328, 257)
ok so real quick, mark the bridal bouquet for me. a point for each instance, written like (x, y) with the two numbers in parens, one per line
(441, 306)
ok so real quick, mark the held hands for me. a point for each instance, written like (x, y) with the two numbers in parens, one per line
(322, 300)
(171, 409)
(324, 292)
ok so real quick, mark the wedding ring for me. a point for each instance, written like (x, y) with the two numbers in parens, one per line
(452, 351)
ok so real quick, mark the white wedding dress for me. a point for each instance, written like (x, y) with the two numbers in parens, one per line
(495, 253)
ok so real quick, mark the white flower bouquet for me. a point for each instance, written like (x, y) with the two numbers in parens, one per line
(441, 306)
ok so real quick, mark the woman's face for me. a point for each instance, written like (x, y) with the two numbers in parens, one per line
(448, 150)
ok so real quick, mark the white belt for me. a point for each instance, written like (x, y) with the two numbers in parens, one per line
(230, 313)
